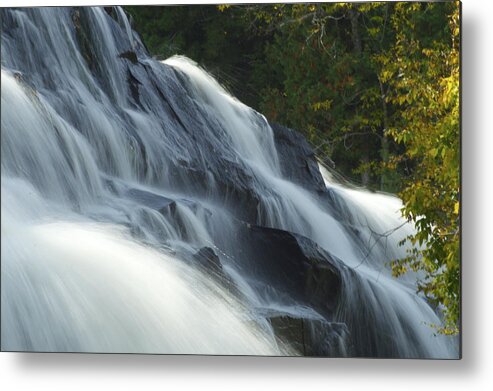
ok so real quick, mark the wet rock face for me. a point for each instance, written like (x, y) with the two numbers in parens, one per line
(294, 266)
(110, 11)
(209, 260)
(312, 337)
(129, 55)
(297, 159)
(299, 273)
(83, 38)
(154, 201)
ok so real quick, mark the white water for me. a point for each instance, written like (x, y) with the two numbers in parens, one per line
(85, 267)
(85, 286)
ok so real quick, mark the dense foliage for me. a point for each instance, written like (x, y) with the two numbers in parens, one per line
(373, 86)
(424, 87)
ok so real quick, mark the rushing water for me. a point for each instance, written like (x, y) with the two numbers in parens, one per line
(117, 169)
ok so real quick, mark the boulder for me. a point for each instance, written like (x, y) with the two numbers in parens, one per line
(297, 159)
(312, 337)
(293, 266)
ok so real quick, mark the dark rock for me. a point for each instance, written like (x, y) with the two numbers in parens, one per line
(76, 18)
(129, 55)
(154, 201)
(84, 38)
(18, 77)
(88, 40)
(312, 337)
(294, 266)
(237, 190)
(209, 260)
(297, 159)
(290, 331)
(111, 12)
(134, 85)
(322, 276)
(8, 22)
(211, 170)
(232, 184)
(168, 208)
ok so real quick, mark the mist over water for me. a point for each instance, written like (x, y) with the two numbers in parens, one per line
(119, 172)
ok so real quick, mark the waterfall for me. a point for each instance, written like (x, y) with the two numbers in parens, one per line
(145, 209)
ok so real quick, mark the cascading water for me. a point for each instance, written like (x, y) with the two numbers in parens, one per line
(146, 210)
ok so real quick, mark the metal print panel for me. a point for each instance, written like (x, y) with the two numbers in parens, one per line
(147, 209)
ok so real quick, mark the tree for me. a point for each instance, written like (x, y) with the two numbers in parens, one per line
(423, 76)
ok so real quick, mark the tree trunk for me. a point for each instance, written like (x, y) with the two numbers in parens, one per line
(384, 152)
(358, 50)
(353, 17)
